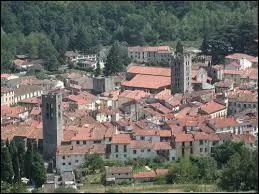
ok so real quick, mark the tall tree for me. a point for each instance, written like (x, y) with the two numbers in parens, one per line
(93, 162)
(15, 161)
(21, 156)
(179, 47)
(6, 165)
(38, 169)
(28, 161)
(117, 59)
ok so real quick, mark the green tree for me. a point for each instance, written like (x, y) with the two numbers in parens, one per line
(21, 156)
(28, 161)
(6, 165)
(223, 152)
(38, 169)
(15, 161)
(93, 162)
(98, 69)
(117, 59)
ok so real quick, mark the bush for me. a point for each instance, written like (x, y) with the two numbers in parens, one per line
(110, 163)
(160, 180)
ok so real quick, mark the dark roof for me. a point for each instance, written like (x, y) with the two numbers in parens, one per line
(25, 89)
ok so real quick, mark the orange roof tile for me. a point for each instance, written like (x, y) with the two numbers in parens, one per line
(148, 81)
(223, 122)
(240, 56)
(205, 136)
(183, 137)
(140, 144)
(158, 71)
(212, 107)
(135, 94)
(162, 146)
(121, 139)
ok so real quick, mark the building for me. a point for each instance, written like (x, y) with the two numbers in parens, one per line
(241, 100)
(181, 73)
(214, 109)
(7, 96)
(150, 54)
(103, 84)
(118, 174)
(184, 144)
(238, 61)
(52, 124)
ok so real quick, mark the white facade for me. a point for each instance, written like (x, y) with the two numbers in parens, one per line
(69, 162)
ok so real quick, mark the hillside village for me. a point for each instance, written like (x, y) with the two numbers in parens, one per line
(147, 112)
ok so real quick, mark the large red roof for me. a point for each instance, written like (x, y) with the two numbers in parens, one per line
(159, 71)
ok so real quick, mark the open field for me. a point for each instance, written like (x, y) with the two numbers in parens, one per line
(150, 188)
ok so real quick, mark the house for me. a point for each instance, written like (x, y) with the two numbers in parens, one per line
(213, 109)
(250, 76)
(6, 76)
(147, 176)
(183, 144)
(199, 78)
(150, 54)
(224, 86)
(238, 61)
(13, 114)
(106, 114)
(120, 147)
(204, 143)
(69, 157)
(223, 125)
(234, 75)
(83, 100)
(27, 91)
(7, 96)
(118, 174)
(240, 100)
(216, 72)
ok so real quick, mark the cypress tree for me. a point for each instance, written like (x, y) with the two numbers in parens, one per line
(28, 161)
(6, 165)
(179, 47)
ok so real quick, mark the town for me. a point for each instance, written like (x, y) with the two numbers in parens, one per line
(147, 112)
(129, 96)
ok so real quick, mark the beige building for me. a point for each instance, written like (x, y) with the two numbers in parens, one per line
(150, 54)
(7, 96)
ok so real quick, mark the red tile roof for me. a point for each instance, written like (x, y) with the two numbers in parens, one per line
(146, 132)
(141, 144)
(5, 75)
(183, 137)
(121, 139)
(135, 94)
(164, 94)
(36, 111)
(223, 122)
(162, 146)
(158, 71)
(148, 81)
(158, 106)
(240, 56)
(212, 107)
(205, 136)
(233, 72)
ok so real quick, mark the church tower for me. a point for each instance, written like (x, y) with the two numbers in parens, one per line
(52, 124)
(181, 71)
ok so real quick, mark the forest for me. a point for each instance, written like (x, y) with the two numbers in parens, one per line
(47, 29)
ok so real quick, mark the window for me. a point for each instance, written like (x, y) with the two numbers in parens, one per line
(125, 148)
(201, 142)
(173, 158)
(47, 115)
(110, 139)
(191, 143)
(76, 161)
(142, 150)
(134, 151)
(182, 151)
(125, 155)
(116, 148)
(69, 163)
(84, 142)
(116, 155)
(63, 157)
(205, 150)
(191, 151)
(148, 150)
(142, 137)
(201, 149)
(77, 142)
(63, 164)
(183, 144)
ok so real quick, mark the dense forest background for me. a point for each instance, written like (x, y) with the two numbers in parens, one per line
(47, 29)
